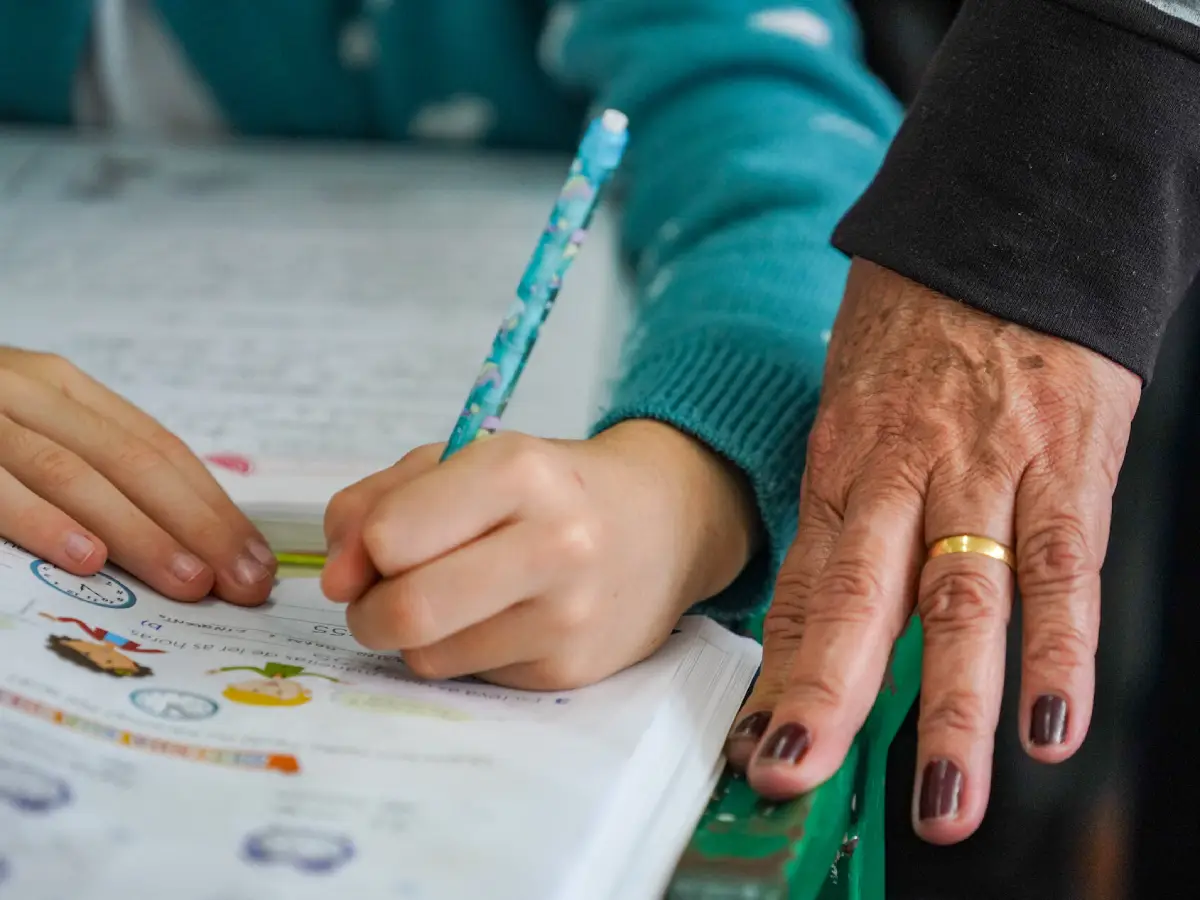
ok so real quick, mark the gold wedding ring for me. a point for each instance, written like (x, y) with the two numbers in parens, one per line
(973, 543)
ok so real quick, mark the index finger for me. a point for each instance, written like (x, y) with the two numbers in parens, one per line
(348, 570)
(857, 609)
(90, 393)
(486, 485)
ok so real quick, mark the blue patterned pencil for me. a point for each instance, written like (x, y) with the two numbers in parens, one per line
(599, 155)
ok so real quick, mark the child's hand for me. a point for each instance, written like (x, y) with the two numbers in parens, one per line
(537, 564)
(86, 477)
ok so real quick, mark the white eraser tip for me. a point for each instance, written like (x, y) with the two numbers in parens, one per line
(614, 120)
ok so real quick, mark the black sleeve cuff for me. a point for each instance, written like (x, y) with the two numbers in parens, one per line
(1048, 172)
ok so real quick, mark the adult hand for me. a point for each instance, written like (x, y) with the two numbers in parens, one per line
(939, 420)
(86, 477)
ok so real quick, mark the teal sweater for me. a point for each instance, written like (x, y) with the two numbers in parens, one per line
(753, 128)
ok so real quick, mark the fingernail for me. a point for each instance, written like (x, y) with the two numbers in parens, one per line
(186, 567)
(1048, 721)
(941, 786)
(752, 727)
(249, 571)
(331, 552)
(787, 744)
(79, 548)
(260, 551)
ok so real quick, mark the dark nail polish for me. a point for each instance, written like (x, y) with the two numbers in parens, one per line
(1048, 721)
(752, 727)
(941, 786)
(787, 744)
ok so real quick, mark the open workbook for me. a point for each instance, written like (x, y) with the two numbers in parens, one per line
(201, 751)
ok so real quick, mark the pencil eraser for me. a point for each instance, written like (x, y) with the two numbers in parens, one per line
(614, 120)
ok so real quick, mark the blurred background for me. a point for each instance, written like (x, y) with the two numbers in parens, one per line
(1119, 821)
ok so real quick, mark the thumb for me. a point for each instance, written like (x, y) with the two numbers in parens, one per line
(348, 570)
(782, 629)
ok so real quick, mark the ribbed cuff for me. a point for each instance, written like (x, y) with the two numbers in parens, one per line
(753, 406)
(1048, 173)
(41, 46)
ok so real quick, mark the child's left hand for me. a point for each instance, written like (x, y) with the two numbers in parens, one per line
(537, 564)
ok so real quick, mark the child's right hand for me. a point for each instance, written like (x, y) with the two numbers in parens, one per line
(87, 477)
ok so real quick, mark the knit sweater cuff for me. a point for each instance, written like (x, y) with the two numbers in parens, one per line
(41, 47)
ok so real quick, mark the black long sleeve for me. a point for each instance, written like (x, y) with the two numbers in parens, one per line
(1048, 171)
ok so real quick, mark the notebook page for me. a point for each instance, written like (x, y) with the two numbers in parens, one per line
(327, 305)
(262, 753)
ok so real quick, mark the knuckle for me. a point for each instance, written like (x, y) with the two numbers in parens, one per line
(1059, 648)
(848, 578)
(410, 616)
(961, 599)
(1057, 556)
(954, 712)
(138, 457)
(528, 465)
(56, 467)
(171, 447)
(345, 504)
(426, 665)
(783, 625)
(824, 690)
(824, 441)
(575, 543)
(572, 616)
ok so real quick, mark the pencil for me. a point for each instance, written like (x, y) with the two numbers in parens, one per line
(306, 560)
(599, 155)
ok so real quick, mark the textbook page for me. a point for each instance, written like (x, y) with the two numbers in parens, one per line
(209, 752)
(326, 307)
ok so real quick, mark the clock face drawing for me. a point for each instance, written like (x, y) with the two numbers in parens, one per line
(30, 790)
(174, 706)
(99, 590)
(302, 849)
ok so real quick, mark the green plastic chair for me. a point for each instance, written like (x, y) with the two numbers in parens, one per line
(826, 845)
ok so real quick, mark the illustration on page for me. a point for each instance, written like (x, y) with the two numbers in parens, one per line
(277, 685)
(106, 653)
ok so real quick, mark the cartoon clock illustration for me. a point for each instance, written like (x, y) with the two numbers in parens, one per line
(175, 706)
(100, 589)
(30, 790)
(306, 850)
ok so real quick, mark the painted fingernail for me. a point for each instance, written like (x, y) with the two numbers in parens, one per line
(79, 548)
(249, 571)
(1048, 721)
(261, 552)
(752, 727)
(186, 567)
(786, 745)
(941, 786)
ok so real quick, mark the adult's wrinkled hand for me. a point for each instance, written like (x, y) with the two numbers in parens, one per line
(939, 420)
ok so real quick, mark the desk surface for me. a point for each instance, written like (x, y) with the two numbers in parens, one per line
(324, 302)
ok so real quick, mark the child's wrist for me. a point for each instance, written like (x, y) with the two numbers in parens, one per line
(707, 499)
